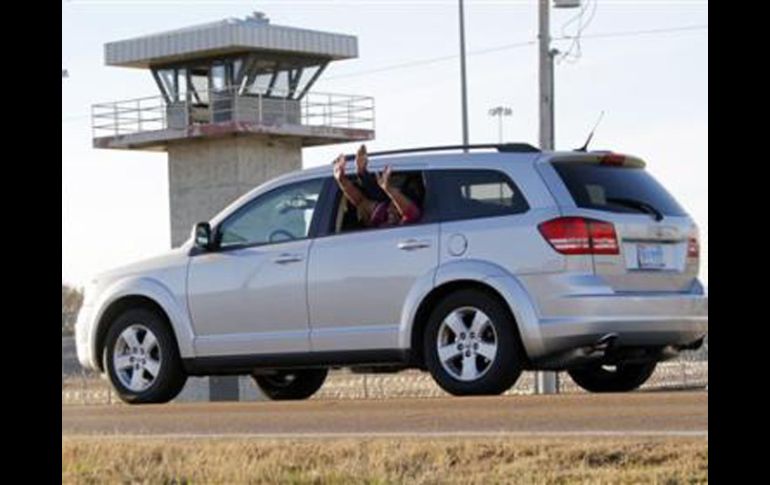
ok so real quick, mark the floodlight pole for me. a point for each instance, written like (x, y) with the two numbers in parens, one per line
(463, 87)
(500, 112)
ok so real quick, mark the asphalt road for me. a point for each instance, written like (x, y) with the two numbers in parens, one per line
(631, 414)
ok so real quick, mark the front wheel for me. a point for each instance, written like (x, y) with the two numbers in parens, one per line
(471, 345)
(291, 385)
(612, 378)
(141, 358)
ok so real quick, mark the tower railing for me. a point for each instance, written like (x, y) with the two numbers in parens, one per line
(228, 105)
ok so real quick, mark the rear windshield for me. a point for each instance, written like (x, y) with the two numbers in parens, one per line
(614, 189)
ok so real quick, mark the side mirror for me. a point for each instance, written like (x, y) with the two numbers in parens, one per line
(202, 238)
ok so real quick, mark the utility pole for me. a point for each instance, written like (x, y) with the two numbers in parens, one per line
(545, 77)
(545, 382)
(463, 87)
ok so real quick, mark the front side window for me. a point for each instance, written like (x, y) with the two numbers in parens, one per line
(281, 215)
(468, 194)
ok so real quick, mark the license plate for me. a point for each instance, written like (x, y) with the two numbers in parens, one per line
(650, 256)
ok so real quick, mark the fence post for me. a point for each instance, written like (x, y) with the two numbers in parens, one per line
(684, 372)
(83, 398)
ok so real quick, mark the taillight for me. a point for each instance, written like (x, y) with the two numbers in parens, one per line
(693, 247)
(603, 238)
(579, 235)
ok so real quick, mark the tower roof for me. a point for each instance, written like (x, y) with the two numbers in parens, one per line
(226, 37)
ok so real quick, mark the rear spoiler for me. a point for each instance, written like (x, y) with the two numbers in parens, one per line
(601, 158)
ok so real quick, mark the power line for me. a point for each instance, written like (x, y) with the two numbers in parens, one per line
(434, 60)
(633, 33)
(574, 51)
(516, 45)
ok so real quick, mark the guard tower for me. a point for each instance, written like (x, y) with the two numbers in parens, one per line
(234, 110)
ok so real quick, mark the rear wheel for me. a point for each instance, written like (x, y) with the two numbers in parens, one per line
(471, 345)
(142, 359)
(614, 378)
(291, 385)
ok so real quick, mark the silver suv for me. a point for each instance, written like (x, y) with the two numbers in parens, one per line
(522, 260)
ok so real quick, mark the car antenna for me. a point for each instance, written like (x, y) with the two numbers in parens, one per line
(591, 135)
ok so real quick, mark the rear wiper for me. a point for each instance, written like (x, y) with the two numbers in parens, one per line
(637, 204)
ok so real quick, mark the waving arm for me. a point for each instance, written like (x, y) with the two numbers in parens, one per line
(349, 189)
(406, 207)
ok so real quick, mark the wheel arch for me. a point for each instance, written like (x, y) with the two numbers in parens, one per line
(424, 310)
(113, 311)
(469, 273)
(141, 294)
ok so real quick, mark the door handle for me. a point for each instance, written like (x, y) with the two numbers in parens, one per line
(287, 258)
(412, 244)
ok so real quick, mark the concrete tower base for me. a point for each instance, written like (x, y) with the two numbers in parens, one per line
(204, 177)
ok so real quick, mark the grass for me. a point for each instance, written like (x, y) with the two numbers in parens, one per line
(384, 460)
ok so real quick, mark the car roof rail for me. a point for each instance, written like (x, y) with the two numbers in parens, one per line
(500, 147)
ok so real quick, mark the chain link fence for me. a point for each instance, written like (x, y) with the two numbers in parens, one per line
(688, 371)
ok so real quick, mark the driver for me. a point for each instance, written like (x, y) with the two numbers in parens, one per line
(397, 209)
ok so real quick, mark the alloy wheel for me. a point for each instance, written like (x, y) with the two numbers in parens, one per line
(137, 357)
(467, 344)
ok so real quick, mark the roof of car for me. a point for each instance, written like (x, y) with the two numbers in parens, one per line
(474, 159)
(424, 159)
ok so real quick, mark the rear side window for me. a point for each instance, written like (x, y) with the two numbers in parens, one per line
(468, 194)
(615, 189)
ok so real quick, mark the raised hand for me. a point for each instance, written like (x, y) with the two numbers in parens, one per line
(383, 178)
(361, 160)
(339, 167)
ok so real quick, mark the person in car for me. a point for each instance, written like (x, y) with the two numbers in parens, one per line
(395, 210)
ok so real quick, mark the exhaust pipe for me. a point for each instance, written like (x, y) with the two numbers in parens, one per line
(604, 343)
(584, 354)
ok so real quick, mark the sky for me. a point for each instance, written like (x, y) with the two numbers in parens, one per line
(644, 63)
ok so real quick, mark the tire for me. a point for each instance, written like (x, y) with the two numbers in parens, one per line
(470, 365)
(291, 385)
(128, 344)
(619, 378)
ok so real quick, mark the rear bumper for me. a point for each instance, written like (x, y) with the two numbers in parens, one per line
(572, 310)
(637, 320)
